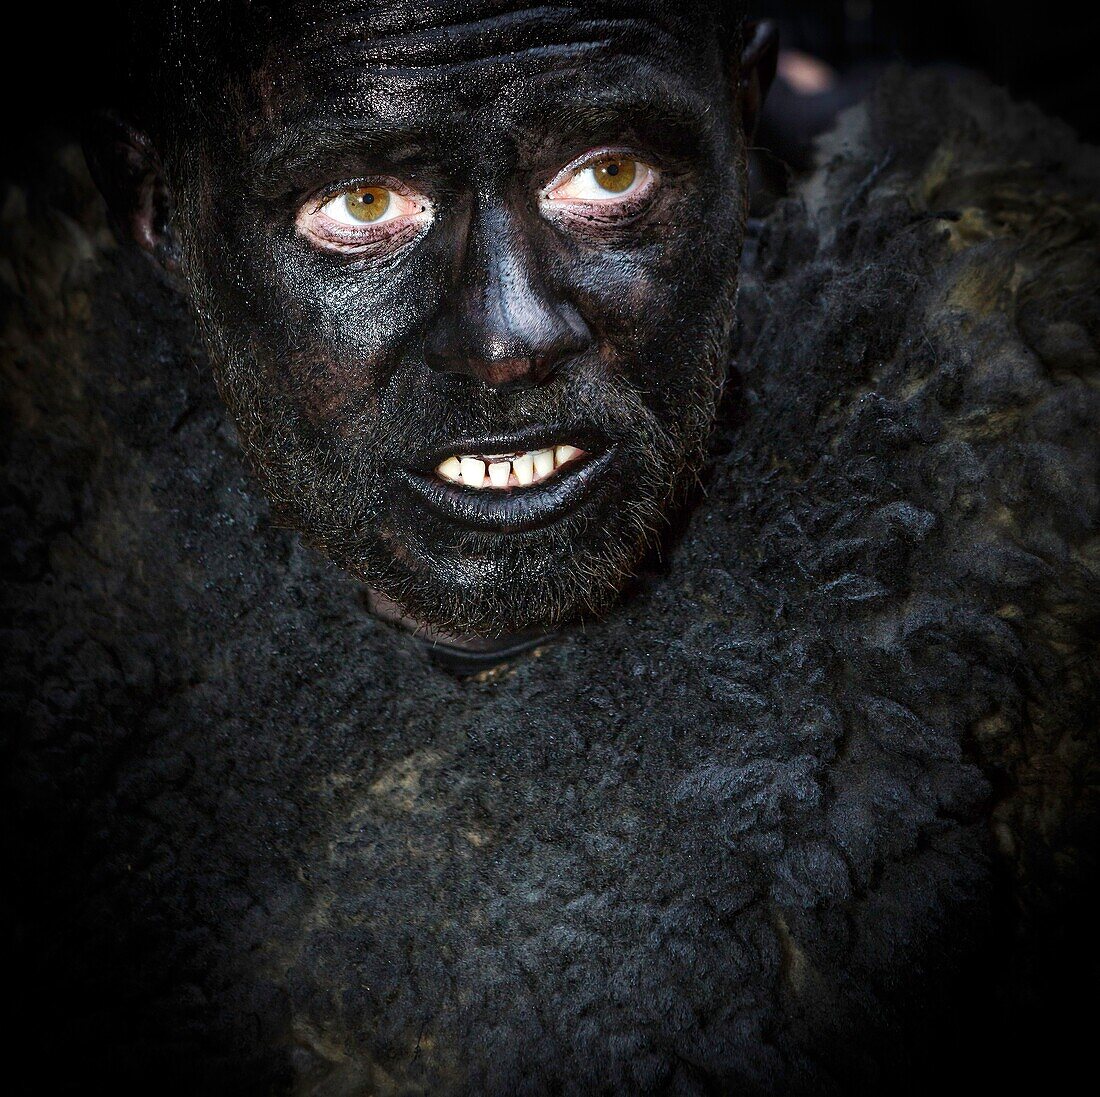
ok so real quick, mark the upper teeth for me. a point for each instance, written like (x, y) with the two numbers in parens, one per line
(500, 472)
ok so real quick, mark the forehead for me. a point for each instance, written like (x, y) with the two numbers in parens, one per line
(410, 61)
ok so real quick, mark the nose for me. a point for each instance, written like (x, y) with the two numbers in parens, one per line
(502, 324)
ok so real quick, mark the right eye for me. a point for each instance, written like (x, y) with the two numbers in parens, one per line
(367, 206)
(363, 214)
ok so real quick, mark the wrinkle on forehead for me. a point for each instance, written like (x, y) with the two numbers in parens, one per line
(399, 18)
(255, 57)
(453, 33)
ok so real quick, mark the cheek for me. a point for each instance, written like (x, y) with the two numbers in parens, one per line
(327, 332)
(656, 305)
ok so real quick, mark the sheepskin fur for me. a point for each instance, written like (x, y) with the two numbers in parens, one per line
(813, 811)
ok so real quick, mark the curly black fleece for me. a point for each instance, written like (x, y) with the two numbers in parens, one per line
(813, 811)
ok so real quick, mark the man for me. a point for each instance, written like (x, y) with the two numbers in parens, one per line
(467, 276)
(807, 809)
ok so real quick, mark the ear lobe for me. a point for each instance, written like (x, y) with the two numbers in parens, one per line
(128, 173)
(759, 58)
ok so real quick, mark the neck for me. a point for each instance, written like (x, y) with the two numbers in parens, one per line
(479, 652)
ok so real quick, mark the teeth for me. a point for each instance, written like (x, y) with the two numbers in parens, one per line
(544, 463)
(451, 469)
(524, 468)
(527, 468)
(473, 472)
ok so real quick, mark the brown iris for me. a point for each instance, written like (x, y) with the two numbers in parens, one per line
(614, 175)
(368, 203)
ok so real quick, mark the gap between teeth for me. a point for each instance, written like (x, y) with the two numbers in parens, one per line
(499, 473)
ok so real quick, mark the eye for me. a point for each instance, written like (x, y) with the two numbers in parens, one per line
(364, 205)
(611, 180)
(367, 213)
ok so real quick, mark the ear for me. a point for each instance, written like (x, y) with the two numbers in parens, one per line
(759, 57)
(128, 172)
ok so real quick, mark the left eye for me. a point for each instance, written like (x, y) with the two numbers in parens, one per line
(609, 179)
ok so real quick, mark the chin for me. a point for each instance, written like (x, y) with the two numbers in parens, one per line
(474, 583)
(497, 606)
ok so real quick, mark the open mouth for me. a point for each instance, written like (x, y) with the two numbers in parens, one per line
(513, 483)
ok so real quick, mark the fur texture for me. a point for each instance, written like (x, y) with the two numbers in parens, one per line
(813, 811)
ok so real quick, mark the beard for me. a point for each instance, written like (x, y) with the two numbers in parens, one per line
(333, 481)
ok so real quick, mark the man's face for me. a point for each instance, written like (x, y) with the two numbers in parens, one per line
(467, 279)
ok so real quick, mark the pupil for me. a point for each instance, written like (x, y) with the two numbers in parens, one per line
(612, 169)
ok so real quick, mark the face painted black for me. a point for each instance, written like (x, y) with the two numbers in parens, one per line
(420, 236)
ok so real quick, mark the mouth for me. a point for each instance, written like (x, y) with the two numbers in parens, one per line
(510, 483)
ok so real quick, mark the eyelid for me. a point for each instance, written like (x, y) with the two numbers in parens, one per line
(575, 203)
(596, 156)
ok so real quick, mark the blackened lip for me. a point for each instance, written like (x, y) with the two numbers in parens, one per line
(510, 510)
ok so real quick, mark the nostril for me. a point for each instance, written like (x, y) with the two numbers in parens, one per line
(546, 366)
(502, 373)
(501, 366)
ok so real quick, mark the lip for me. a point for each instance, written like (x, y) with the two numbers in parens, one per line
(512, 510)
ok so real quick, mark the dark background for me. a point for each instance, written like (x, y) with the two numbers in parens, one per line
(71, 59)
(1045, 52)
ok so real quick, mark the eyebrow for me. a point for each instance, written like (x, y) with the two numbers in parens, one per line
(321, 136)
(675, 107)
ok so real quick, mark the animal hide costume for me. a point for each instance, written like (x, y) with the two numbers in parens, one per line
(813, 810)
